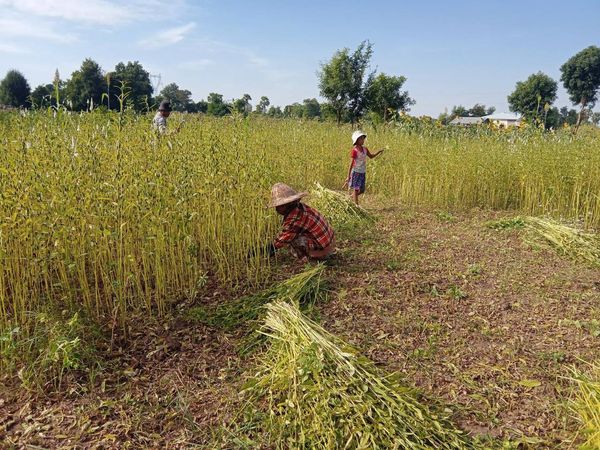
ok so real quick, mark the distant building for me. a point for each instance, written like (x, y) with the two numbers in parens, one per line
(503, 119)
(500, 119)
(466, 121)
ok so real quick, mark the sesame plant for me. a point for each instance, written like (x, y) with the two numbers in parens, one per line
(102, 215)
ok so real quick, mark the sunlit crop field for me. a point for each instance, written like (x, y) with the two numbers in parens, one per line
(100, 214)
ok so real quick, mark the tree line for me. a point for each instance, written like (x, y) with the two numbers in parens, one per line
(351, 89)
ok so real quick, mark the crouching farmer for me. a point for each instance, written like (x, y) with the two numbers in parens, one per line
(305, 230)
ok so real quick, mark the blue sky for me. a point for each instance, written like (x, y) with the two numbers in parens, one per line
(451, 52)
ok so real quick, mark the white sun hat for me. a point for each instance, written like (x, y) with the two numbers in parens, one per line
(282, 194)
(356, 135)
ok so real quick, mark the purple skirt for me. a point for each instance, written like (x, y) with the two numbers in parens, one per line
(358, 181)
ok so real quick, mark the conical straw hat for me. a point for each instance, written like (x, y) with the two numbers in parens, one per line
(282, 194)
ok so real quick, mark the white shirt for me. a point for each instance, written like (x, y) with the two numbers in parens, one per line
(159, 122)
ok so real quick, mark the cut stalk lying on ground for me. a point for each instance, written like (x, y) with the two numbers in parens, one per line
(586, 405)
(569, 241)
(339, 208)
(320, 394)
(302, 289)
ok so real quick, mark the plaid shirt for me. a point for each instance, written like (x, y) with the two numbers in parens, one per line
(306, 221)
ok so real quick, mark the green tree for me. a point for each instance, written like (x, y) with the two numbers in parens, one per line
(343, 81)
(263, 105)
(295, 110)
(137, 82)
(181, 99)
(41, 96)
(595, 118)
(202, 106)
(216, 106)
(275, 111)
(568, 116)
(581, 78)
(459, 111)
(328, 112)
(478, 110)
(552, 118)
(531, 96)
(312, 108)
(445, 117)
(242, 105)
(385, 95)
(15, 90)
(84, 89)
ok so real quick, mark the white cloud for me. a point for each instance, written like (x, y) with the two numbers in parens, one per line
(167, 37)
(251, 58)
(10, 48)
(18, 27)
(93, 11)
(101, 12)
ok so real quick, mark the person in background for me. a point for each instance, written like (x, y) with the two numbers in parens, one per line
(304, 230)
(357, 173)
(159, 123)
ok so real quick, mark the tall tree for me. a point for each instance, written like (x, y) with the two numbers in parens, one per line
(263, 105)
(344, 81)
(181, 99)
(15, 90)
(137, 82)
(84, 89)
(385, 94)
(531, 96)
(581, 78)
(242, 105)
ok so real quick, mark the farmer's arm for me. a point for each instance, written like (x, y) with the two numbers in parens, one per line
(291, 229)
(373, 155)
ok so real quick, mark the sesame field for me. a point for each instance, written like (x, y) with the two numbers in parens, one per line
(461, 310)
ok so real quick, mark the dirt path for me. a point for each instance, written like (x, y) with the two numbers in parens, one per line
(470, 315)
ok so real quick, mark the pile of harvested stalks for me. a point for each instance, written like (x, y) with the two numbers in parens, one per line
(338, 208)
(567, 240)
(586, 405)
(320, 394)
(302, 289)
